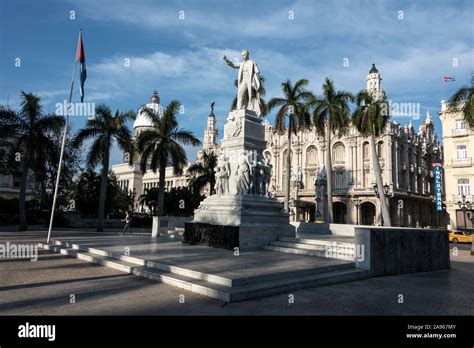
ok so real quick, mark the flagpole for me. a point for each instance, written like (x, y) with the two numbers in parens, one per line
(63, 145)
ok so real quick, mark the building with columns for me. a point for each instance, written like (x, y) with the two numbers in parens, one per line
(132, 179)
(405, 157)
(458, 143)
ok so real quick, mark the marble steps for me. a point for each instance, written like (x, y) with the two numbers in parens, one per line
(316, 242)
(260, 286)
(205, 276)
(313, 247)
(151, 264)
(176, 233)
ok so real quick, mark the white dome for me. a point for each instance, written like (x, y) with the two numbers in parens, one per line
(142, 120)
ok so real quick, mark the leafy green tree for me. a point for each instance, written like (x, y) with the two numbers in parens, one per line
(203, 172)
(294, 104)
(331, 117)
(162, 145)
(149, 198)
(105, 129)
(28, 131)
(370, 118)
(463, 100)
(86, 195)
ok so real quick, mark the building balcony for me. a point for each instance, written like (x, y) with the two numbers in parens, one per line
(459, 132)
(458, 198)
(461, 162)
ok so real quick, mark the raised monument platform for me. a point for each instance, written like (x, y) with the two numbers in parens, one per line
(242, 213)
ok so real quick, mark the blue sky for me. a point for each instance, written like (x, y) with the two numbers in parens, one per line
(182, 59)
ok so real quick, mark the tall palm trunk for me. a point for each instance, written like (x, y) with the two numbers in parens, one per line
(288, 168)
(161, 189)
(379, 182)
(329, 212)
(22, 201)
(103, 192)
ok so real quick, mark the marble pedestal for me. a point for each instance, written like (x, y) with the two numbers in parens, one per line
(234, 220)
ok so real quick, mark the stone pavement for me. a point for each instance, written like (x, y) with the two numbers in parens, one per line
(44, 287)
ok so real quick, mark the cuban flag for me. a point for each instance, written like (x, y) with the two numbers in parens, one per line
(81, 58)
(449, 79)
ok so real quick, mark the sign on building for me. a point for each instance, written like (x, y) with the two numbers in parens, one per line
(438, 187)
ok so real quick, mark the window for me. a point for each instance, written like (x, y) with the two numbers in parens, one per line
(338, 180)
(463, 187)
(366, 151)
(460, 124)
(367, 178)
(461, 152)
(311, 156)
(339, 153)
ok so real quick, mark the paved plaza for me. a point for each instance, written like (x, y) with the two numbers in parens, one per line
(45, 288)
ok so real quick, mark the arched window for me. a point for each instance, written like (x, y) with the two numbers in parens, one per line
(339, 153)
(311, 156)
(366, 151)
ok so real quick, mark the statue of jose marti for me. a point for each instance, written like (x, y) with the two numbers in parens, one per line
(248, 83)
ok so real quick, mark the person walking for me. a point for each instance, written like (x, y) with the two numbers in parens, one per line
(128, 221)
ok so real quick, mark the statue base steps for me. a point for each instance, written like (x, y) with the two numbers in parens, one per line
(245, 221)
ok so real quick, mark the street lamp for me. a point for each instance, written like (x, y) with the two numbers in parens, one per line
(464, 205)
(386, 187)
(357, 202)
(320, 183)
(132, 196)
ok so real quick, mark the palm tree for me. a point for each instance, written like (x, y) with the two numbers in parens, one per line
(105, 129)
(261, 91)
(294, 104)
(148, 198)
(370, 118)
(162, 145)
(463, 100)
(203, 172)
(331, 117)
(29, 133)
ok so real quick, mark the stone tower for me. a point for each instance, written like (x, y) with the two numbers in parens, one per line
(210, 133)
(374, 86)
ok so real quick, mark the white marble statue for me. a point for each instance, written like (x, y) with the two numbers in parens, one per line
(222, 176)
(243, 176)
(248, 83)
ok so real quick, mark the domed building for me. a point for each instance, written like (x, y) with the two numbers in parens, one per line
(132, 179)
(142, 121)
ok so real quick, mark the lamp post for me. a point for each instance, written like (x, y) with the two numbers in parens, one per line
(356, 202)
(132, 196)
(386, 187)
(316, 198)
(464, 205)
(320, 189)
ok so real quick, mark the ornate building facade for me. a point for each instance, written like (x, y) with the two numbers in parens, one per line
(458, 142)
(405, 157)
